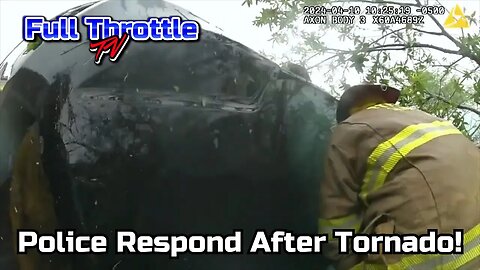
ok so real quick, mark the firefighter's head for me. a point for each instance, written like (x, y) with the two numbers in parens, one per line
(360, 96)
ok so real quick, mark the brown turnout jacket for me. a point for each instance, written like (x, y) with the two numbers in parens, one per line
(397, 170)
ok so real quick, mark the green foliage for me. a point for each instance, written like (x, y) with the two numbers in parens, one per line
(436, 70)
(33, 44)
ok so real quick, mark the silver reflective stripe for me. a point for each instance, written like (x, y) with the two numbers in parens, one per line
(439, 261)
(468, 260)
(469, 266)
(382, 160)
(387, 154)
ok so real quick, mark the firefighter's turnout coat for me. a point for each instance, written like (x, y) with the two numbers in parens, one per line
(396, 170)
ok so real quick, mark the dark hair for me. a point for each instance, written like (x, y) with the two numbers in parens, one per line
(361, 94)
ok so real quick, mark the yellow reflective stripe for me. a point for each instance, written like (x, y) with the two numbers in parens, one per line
(386, 149)
(462, 260)
(471, 250)
(387, 154)
(471, 243)
(389, 106)
(397, 156)
(381, 105)
(468, 266)
(325, 226)
(471, 234)
(365, 266)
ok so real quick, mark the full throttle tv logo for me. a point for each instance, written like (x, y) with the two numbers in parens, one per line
(108, 36)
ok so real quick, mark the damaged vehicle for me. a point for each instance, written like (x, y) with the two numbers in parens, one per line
(175, 138)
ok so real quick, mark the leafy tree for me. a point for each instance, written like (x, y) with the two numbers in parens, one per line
(436, 70)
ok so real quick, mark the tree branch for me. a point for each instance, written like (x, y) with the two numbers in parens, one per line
(393, 75)
(396, 47)
(386, 47)
(414, 45)
(428, 32)
(459, 106)
(474, 132)
(463, 107)
(325, 60)
(312, 56)
(389, 33)
(442, 29)
(466, 75)
(447, 68)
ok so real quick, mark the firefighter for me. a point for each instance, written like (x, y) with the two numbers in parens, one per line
(396, 170)
(159, 147)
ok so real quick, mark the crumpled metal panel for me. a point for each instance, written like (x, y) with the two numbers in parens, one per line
(204, 137)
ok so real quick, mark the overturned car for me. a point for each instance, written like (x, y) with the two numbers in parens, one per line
(173, 139)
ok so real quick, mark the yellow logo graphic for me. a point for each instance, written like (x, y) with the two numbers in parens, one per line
(456, 19)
